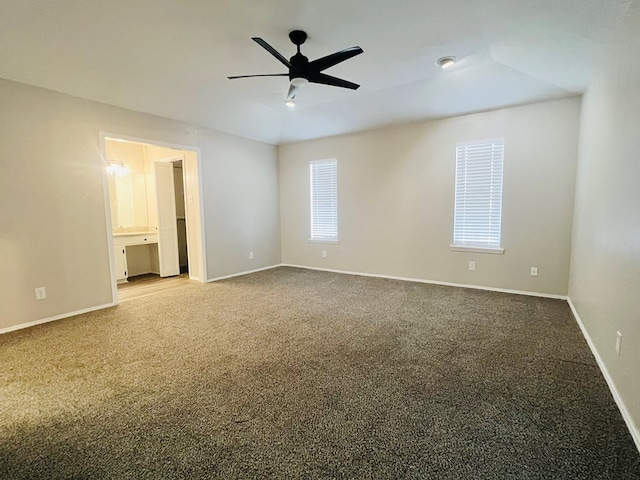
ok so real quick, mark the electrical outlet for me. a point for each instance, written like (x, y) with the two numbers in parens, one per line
(472, 265)
(250, 255)
(618, 342)
(534, 271)
(324, 254)
(41, 293)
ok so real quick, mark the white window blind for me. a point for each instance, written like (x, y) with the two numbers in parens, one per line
(478, 195)
(324, 200)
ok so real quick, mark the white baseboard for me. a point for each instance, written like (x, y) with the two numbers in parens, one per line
(106, 305)
(433, 282)
(247, 272)
(346, 272)
(54, 318)
(633, 428)
(631, 425)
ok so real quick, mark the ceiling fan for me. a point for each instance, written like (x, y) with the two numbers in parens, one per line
(302, 71)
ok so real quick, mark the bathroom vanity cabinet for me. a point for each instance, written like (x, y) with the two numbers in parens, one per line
(123, 242)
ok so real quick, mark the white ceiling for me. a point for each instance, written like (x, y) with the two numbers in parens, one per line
(172, 57)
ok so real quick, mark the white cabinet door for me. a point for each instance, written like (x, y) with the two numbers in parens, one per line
(121, 263)
(167, 227)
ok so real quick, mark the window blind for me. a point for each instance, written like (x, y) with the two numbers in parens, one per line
(478, 194)
(324, 200)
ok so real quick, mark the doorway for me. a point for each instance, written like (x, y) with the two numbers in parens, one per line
(154, 210)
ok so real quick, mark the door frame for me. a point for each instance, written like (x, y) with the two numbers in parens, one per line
(194, 183)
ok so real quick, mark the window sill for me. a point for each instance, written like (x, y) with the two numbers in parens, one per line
(321, 240)
(460, 248)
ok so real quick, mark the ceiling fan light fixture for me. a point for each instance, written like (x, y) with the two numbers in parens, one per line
(302, 71)
(446, 62)
(299, 82)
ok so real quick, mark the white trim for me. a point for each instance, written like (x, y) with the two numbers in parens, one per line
(57, 317)
(175, 158)
(203, 247)
(434, 282)
(468, 143)
(247, 272)
(147, 141)
(107, 208)
(628, 419)
(323, 160)
(319, 240)
(633, 428)
(462, 248)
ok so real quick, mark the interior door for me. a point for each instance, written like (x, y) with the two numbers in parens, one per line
(167, 227)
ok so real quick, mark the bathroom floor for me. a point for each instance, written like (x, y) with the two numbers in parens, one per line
(149, 284)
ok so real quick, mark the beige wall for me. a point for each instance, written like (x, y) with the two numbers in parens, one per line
(131, 153)
(395, 199)
(242, 215)
(605, 267)
(53, 227)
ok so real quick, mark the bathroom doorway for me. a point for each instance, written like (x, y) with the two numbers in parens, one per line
(155, 212)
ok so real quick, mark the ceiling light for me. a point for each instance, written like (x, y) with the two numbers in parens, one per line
(446, 62)
(290, 103)
(299, 82)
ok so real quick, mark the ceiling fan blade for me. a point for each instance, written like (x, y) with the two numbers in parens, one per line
(333, 81)
(272, 51)
(292, 92)
(261, 75)
(335, 58)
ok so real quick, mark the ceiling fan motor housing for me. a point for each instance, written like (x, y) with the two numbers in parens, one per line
(299, 62)
(300, 65)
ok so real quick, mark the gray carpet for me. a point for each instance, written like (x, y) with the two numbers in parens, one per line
(290, 373)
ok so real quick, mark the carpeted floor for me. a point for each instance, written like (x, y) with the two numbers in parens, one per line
(290, 373)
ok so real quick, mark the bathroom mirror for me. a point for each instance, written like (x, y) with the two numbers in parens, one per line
(128, 194)
(129, 177)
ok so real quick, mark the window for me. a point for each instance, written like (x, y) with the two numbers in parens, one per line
(478, 196)
(324, 200)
